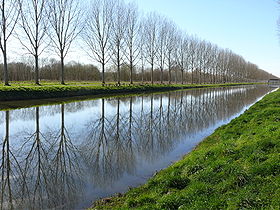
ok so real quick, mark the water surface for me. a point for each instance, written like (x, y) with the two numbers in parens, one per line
(66, 156)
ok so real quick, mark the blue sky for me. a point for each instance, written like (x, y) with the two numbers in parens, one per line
(248, 27)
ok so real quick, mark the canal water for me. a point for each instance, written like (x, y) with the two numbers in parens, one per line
(65, 156)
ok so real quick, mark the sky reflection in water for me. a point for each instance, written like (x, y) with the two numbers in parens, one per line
(66, 156)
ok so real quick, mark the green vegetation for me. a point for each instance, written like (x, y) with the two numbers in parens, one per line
(237, 167)
(54, 83)
(24, 92)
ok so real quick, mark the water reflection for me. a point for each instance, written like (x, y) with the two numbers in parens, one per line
(65, 156)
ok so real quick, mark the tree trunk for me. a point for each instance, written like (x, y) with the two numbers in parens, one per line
(169, 74)
(37, 69)
(152, 73)
(62, 71)
(119, 67)
(119, 75)
(161, 75)
(131, 71)
(142, 69)
(103, 74)
(192, 75)
(182, 72)
(6, 75)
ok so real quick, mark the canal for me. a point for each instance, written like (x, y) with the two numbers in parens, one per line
(65, 156)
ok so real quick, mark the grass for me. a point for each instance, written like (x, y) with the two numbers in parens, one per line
(28, 91)
(237, 167)
(51, 83)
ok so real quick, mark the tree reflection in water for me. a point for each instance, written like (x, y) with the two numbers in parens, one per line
(112, 140)
(35, 165)
(6, 172)
(66, 169)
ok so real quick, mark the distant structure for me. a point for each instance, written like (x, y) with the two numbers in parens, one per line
(274, 81)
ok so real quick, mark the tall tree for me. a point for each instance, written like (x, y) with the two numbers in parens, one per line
(8, 19)
(65, 22)
(142, 52)
(97, 31)
(161, 45)
(182, 54)
(132, 37)
(192, 51)
(150, 32)
(33, 14)
(117, 41)
(170, 48)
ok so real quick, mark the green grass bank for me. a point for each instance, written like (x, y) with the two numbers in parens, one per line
(237, 167)
(28, 92)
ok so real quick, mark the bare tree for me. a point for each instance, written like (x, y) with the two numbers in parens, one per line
(33, 14)
(132, 37)
(119, 19)
(182, 54)
(97, 31)
(5, 165)
(214, 58)
(192, 50)
(161, 45)
(9, 16)
(36, 164)
(142, 53)
(170, 48)
(65, 22)
(150, 30)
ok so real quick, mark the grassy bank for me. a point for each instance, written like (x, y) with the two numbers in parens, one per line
(27, 92)
(237, 167)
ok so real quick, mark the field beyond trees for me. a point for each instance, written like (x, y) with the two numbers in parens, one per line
(237, 167)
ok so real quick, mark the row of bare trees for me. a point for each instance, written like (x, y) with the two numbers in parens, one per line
(39, 24)
(114, 34)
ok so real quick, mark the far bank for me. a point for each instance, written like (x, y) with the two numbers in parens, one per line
(12, 93)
